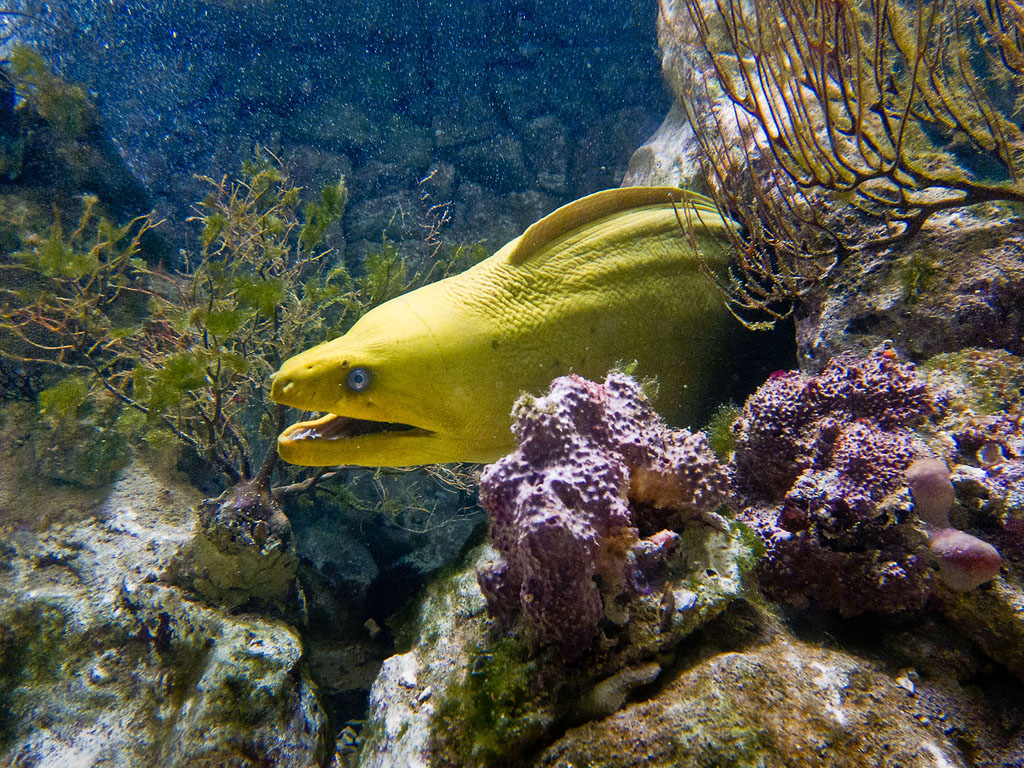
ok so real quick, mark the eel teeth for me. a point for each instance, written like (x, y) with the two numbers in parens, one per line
(343, 427)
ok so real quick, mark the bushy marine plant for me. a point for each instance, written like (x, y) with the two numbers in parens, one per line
(64, 106)
(188, 355)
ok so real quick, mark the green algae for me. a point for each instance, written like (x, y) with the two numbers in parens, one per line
(492, 714)
(995, 377)
(719, 430)
(79, 439)
(37, 647)
(720, 736)
(65, 107)
(918, 275)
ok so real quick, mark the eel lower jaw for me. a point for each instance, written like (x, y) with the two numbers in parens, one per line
(333, 428)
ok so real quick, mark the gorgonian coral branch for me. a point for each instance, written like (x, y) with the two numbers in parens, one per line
(895, 109)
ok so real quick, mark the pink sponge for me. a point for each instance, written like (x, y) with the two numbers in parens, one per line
(932, 491)
(965, 561)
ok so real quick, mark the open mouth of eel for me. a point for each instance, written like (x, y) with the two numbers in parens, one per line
(334, 427)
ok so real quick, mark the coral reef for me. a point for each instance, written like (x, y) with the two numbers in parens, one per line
(815, 457)
(907, 149)
(609, 551)
(821, 459)
(833, 130)
(821, 465)
(744, 691)
(797, 424)
(595, 468)
(463, 695)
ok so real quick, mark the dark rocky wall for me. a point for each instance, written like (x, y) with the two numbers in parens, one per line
(515, 106)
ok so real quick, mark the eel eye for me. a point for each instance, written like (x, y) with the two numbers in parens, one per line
(358, 379)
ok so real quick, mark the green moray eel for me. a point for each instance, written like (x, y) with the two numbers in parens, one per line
(431, 376)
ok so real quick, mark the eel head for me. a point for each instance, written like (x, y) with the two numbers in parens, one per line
(386, 394)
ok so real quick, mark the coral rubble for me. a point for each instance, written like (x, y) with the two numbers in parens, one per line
(561, 514)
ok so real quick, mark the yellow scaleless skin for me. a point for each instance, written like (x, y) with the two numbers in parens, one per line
(605, 280)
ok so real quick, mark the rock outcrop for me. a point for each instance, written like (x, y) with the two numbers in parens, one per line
(102, 661)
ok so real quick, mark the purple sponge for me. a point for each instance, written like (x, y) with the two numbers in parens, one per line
(816, 456)
(560, 507)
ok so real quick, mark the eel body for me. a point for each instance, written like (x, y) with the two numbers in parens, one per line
(431, 376)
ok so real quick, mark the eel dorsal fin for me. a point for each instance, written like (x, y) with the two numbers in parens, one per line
(598, 205)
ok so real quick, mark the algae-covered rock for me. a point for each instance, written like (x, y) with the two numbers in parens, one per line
(982, 432)
(242, 551)
(75, 437)
(55, 145)
(593, 461)
(993, 618)
(782, 702)
(920, 295)
(816, 458)
(465, 695)
(102, 663)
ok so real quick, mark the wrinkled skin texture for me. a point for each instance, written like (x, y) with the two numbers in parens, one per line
(607, 279)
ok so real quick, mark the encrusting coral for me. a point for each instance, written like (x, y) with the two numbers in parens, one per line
(596, 470)
(815, 458)
(851, 417)
(985, 419)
